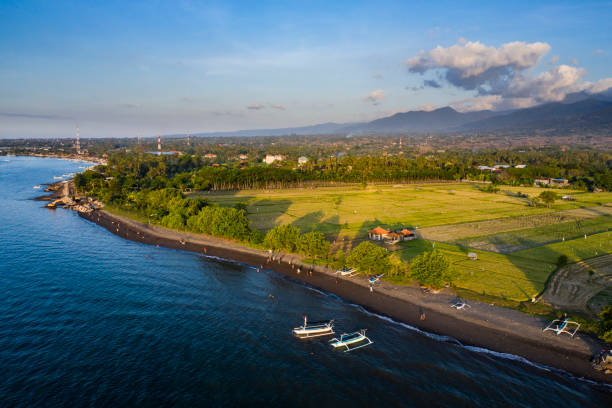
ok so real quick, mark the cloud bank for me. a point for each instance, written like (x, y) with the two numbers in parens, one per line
(502, 77)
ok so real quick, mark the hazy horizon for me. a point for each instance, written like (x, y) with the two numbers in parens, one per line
(122, 70)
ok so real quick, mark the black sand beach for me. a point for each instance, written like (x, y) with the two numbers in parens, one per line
(494, 328)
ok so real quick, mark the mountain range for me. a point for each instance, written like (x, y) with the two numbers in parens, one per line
(578, 111)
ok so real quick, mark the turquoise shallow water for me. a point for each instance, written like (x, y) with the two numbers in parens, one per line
(86, 319)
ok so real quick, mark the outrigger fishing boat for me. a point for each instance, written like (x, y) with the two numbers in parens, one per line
(375, 278)
(348, 272)
(314, 329)
(559, 326)
(351, 341)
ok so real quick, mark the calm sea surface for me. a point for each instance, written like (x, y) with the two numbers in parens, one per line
(89, 319)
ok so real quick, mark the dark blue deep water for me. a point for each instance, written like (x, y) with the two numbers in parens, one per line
(86, 319)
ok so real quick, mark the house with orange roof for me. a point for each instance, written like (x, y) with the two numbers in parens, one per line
(378, 233)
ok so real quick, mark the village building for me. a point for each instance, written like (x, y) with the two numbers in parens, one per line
(210, 156)
(302, 160)
(378, 234)
(271, 158)
(391, 237)
(242, 156)
(559, 182)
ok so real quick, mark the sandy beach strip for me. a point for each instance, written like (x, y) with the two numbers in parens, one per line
(494, 328)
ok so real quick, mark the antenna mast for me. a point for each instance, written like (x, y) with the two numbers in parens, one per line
(78, 141)
(159, 144)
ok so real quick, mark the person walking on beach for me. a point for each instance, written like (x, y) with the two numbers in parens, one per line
(371, 289)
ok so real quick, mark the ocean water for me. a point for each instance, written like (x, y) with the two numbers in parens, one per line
(90, 319)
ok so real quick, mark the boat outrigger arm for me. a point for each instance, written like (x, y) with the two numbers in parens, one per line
(563, 326)
(351, 341)
(314, 329)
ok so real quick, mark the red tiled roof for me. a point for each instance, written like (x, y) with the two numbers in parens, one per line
(379, 231)
(406, 231)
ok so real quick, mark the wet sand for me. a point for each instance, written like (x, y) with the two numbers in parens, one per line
(494, 328)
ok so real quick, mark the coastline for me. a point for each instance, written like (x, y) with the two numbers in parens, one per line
(484, 326)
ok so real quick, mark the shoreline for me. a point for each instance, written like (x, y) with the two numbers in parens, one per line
(484, 326)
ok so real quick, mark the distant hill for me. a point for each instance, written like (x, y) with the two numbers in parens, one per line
(320, 129)
(439, 120)
(588, 113)
(591, 112)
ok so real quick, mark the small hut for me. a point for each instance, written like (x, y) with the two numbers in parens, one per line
(472, 256)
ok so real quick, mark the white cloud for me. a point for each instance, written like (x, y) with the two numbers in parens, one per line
(256, 106)
(598, 86)
(599, 52)
(277, 106)
(501, 77)
(377, 76)
(471, 65)
(376, 97)
(574, 61)
(551, 85)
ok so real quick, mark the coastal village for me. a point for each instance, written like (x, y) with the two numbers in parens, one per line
(397, 239)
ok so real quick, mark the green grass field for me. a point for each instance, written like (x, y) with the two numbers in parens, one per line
(513, 241)
(455, 212)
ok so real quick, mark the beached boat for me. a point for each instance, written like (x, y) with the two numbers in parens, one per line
(375, 278)
(37, 187)
(351, 341)
(347, 271)
(57, 177)
(314, 329)
(566, 326)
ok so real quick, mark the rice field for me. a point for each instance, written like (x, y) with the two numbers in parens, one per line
(517, 245)
(512, 241)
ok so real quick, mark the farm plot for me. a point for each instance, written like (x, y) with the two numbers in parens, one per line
(351, 211)
(456, 232)
(532, 237)
(504, 276)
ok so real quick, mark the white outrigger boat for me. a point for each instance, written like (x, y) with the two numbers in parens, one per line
(351, 341)
(348, 272)
(375, 278)
(314, 329)
(559, 326)
(37, 187)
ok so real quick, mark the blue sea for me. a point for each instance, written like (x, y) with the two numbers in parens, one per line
(90, 319)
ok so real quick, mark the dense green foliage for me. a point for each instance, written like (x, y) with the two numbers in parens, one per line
(604, 325)
(128, 172)
(369, 258)
(282, 238)
(432, 269)
(313, 244)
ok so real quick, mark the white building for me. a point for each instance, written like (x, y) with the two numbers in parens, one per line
(271, 158)
(302, 160)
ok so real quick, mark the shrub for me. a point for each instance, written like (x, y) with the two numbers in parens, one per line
(432, 269)
(562, 260)
(282, 237)
(313, 244)
(369, 258)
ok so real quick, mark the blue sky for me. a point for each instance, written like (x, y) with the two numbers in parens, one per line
(122, 68)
